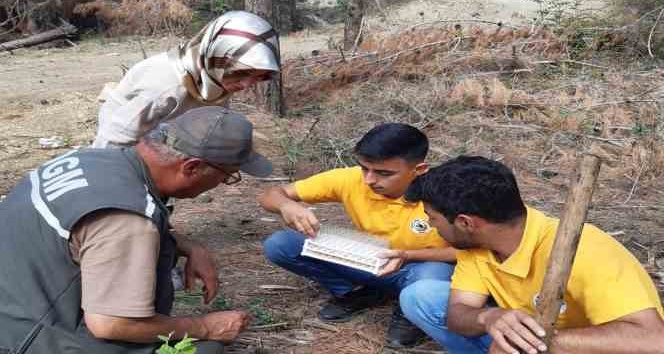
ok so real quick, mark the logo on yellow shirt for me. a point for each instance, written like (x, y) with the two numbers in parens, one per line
(420, 226)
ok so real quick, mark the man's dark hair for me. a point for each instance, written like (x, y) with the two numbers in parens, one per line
(472, 185)
(393, 140)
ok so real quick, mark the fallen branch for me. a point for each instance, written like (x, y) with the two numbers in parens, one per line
(63, 31)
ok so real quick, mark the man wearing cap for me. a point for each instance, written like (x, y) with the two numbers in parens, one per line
(86, 254)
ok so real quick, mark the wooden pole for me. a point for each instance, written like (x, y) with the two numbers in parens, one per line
(566, 243)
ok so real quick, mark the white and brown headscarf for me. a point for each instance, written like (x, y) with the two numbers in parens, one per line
(237, 40)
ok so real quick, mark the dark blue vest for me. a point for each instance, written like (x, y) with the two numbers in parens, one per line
(40, 285)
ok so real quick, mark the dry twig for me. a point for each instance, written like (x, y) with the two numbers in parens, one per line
(269, 326)
(636, 182)
(320, 325)
(499, 24)
(279, 287)
(652, 30)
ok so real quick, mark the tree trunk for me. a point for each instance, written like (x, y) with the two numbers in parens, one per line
(269, 95)
(60, 32)
(236, 4)
(287, 10)
(353, 24)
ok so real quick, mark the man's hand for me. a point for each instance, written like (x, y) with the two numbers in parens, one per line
(225, 326)
(394, 260)
(495, 349)
(512, 331)
(300, 218)
(201, 265)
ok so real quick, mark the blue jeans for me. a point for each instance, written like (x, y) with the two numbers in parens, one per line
(425, 304)
(283, 248)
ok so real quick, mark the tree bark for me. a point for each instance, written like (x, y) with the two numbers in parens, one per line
(236, 4)
(269, 95)
(60, 32)
(353, 24)
(287, 10)
(565, 245)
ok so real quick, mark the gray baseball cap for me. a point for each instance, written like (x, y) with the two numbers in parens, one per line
(219, 136)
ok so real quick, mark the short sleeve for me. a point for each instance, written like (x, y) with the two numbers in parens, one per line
(118, 258)
(328, 186)
(630, 288)
(467, 276)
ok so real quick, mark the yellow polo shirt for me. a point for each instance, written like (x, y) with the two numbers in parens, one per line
(606, 282)
(404, 224)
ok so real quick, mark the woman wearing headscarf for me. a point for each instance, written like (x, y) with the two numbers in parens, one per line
(231, 53)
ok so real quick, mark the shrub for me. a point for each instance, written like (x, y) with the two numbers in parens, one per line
(140, 17)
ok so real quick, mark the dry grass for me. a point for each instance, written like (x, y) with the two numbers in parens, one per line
(137, 17)
(500, 81)
(516, 95)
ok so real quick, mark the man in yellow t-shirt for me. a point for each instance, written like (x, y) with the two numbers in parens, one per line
(610, 304)
(390, 156)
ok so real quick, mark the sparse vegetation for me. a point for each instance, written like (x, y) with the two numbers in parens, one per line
(554, 12)
(262, 315)
(184, 346)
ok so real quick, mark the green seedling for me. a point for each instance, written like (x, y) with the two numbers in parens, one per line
(184, 346)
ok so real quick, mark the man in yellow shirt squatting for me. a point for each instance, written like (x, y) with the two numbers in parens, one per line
(610, 303)
(389, 157)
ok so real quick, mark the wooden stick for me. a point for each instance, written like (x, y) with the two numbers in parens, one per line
(269, 326)
(565, 245)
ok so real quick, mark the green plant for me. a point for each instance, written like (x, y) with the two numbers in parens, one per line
(261, 315)
(187, 298)
(342, 5)
(294, 150)
(221, 304)
(218, 6)
(640, 129)
(184, 346)
(195, 299)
